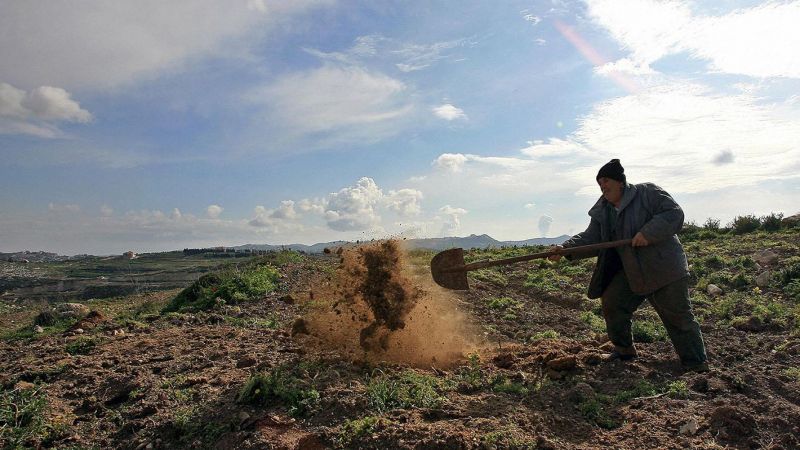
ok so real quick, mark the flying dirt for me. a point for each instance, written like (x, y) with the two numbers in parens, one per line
(376, 309)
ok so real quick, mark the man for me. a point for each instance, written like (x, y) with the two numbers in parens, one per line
(653, 267)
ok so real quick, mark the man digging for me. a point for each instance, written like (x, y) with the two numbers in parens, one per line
(653, 267)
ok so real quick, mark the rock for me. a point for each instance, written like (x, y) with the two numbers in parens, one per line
(580, 392)
(689, 428)
(247, 361)
(714, 290)
(38, 329)
(72, 310)
(24, 386)
(78, 331)
(562, 364)
(791, 221)
(762, 280)
(766, 257)
(505, 360)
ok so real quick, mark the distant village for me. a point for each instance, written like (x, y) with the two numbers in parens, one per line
(225, 252)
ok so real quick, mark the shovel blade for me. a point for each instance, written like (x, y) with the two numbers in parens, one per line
(444, 268)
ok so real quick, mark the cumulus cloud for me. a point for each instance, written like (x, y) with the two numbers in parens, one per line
(285, 211)
(58, 208)
(748, 41)
(405, 202)
(452, 162)
(353, 208)
(544, 224)
(449, 112)
(213, 211)
(452, 224)
(33, 112)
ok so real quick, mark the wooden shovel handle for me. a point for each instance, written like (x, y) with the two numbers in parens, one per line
(547, 254)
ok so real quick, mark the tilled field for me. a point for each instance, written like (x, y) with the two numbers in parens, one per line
(531, 376)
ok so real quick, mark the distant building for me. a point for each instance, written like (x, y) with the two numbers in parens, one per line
(129, 254)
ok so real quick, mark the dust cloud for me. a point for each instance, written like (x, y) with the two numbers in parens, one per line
(379, 309)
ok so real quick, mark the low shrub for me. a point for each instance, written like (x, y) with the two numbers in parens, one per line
(228, 286)
(771, 222)
(745, 224)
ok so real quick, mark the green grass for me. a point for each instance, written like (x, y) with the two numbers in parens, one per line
(22, 417)
(353, 430)
(544, 335)
(409, 389)
(81, 346)
(595, 322)
(280, 387)
(505, 385)
(230, 286)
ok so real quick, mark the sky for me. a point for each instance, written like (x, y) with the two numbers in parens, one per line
(149, 126)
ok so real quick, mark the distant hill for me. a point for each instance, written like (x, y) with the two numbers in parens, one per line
(471, 241)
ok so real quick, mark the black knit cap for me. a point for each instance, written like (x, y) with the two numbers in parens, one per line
(612, 169)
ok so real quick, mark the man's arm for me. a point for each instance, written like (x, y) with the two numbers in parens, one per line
(590, 236)
(667, 217)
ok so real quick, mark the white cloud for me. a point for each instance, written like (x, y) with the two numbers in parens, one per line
(350, 102)
(452, 162)
(58, 208)
(530, 205)
(405, 202)
(214, 211)
(625, 66)
(285, 211)
(99, 44)
(353, 208)
(315, 206)
(452, 224)
(449, 112)
(544, 224)
(32, 112)
(760, 41)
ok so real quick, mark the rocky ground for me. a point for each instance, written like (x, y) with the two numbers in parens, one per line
(248, 376)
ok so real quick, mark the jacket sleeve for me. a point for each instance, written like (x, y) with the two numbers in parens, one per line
(590, 236)
(667, 217)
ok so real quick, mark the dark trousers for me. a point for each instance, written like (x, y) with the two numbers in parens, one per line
(671, 302)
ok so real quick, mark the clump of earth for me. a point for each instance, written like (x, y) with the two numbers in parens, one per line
(376, 309)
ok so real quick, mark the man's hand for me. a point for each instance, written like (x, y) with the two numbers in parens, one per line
(556, 249)
(639, 240)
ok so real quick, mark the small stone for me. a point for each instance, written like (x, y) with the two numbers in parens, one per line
(505, 360)
(149, 446)
(78, 330)
(24, 386)
(38, 329)
(243, 416)
(714, 290)
(689, 428)
(562, 364)
(247, 361)
(762, 280)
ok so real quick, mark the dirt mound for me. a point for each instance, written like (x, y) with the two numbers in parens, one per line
(376, 309)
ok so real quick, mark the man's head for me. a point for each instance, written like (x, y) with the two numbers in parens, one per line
(611, 179)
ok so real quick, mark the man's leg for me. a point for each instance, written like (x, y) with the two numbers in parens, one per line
(672, 304)
(619, 304)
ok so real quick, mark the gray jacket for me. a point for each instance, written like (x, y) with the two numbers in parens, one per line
(647, 208)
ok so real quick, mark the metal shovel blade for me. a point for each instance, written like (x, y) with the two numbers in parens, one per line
(447, 268)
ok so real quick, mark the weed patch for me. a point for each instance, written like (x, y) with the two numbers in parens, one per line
(353, 430)
(81, 346)
(408, 390)
(280, 387)
(230, 286)
(22, 417)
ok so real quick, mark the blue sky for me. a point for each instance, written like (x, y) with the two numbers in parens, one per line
(155, 125)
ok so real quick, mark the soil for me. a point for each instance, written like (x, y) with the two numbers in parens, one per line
(173, 381)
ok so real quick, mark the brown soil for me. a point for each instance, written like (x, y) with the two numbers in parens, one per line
(377, 310)
(173, 381)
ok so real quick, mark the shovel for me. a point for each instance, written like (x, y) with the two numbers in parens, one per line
(449, 271)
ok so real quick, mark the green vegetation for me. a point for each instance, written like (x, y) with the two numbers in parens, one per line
(353, 430)
(22, 417)
(509, 437)
(27, 332)
(544, 335)
(229, 286)
(409, 389)
(678, 389)
(280, 387)
(81, 346)
(505, 385)
(648, 330)
(595, 322)
(793, 372)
